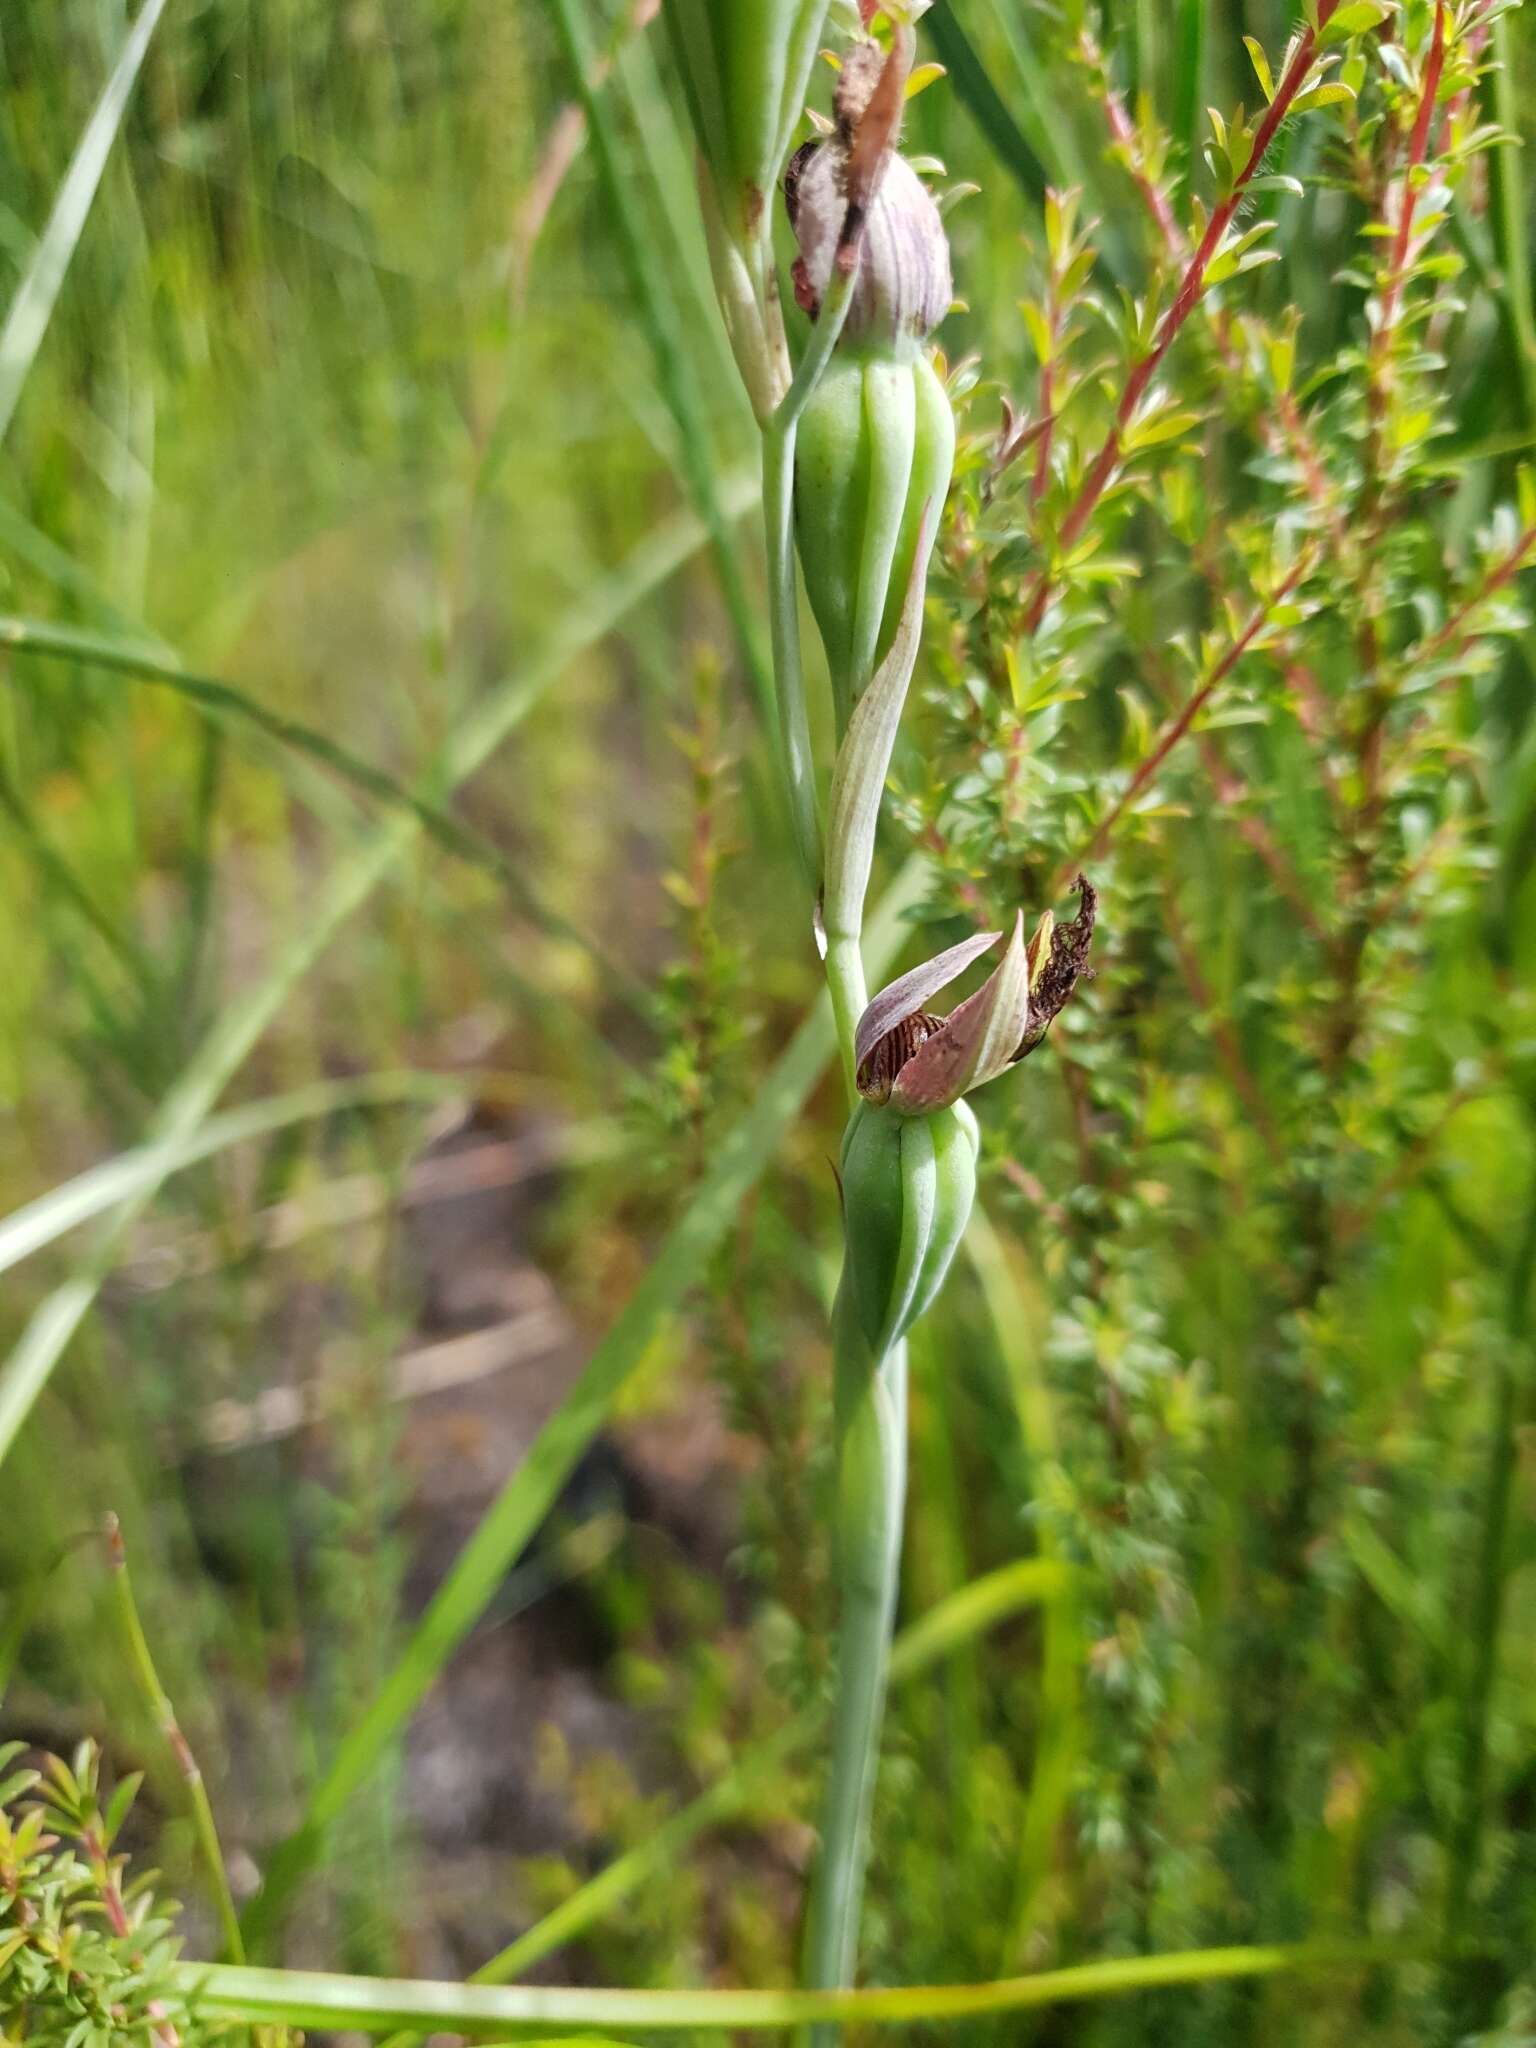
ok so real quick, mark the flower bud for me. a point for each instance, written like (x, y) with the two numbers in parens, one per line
(875, 450)
(853, 181)
(908, 1186)
(745, 66)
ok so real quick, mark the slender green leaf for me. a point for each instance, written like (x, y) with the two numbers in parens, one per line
(1060, 1680)
(659, 320)
(21, 539)
(44, 1341)
(1512, 221)
(102, 1187)
(973, 82)
(225, 700)
(1189, 75)
(31, 309)
(58, 876)
(310, 1998)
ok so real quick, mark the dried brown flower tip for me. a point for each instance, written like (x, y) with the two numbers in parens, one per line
(1058, 961)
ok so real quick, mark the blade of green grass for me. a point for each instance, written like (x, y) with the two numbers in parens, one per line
(669, 158)
(674, 372)
(312, 1998)
(32, 307)
(90, 1194)
(1398, 1588)
(972, 81)
(1482, 1619)
(529, 1494)
(1065, 163)
(60, 878)
(947, 1627)
(1512, 226)
(45, 1339)
(225, 700)
(1189, 77)
(1051, 135)
(19, 537)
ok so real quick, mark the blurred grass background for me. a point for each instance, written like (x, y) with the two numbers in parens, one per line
(351, 400)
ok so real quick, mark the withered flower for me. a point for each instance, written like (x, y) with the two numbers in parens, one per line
(855, 184)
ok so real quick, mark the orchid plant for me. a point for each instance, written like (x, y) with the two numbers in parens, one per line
(859, 444)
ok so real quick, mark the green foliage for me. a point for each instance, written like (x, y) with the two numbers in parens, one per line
(85, 1956)
(363, 399)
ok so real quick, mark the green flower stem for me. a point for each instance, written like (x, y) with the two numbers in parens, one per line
(871, 1393)
(871, 1409)
(850, 995)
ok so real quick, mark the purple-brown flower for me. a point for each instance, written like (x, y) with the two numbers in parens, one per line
(917, 1062)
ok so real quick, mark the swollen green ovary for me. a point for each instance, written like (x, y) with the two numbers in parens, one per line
(875, 451)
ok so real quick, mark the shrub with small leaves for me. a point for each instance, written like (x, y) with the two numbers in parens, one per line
(86, 1958)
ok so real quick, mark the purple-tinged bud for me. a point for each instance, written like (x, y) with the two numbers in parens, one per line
(854, 184)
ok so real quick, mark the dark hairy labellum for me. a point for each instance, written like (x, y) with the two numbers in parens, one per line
(877, 1072)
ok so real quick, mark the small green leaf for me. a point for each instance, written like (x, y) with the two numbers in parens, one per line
(1261, 68)
(1039, 330)
(117, 1807)
(1159, 429)
(1353, 19)
(1330, 95)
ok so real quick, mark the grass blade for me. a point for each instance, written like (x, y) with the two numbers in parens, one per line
(658, 320)
(1189, 76)
(56, 566)
(90, 1194)
(529, 1494)
(1511, 225)
(972, 81)
(309, 1998)
(43, 1342)
(1013, 1319)
(59, 878)
(224, 700)
(31, 309)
